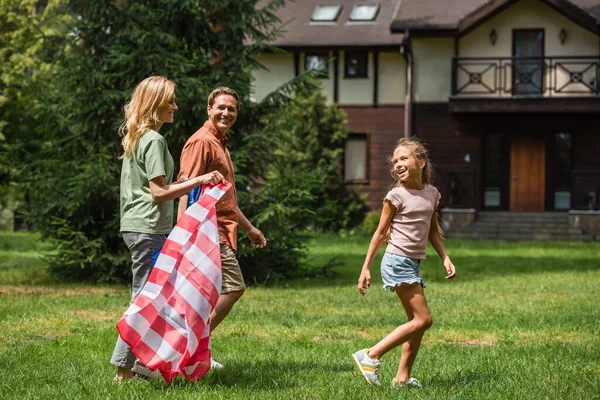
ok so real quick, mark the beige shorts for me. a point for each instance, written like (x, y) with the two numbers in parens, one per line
(233, 281)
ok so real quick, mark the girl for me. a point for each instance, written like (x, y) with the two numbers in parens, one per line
(146, 190)
(408, 219)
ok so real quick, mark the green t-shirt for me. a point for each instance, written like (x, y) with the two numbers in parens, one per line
(139, 212)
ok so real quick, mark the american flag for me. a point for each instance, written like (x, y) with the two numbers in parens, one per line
(168, 324)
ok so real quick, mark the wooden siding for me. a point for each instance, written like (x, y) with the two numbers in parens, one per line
(384, 126)
(450, 137)
(457, 180)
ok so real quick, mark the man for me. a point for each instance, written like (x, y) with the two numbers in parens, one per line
(205, 152)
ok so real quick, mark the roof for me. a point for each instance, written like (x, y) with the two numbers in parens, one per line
(458, 15)
(301, 32)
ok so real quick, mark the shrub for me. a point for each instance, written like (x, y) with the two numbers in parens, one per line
(370, 222)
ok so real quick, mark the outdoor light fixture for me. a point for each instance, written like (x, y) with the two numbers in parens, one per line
(493, 36)
(562, 36)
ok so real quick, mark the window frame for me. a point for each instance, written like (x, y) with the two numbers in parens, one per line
(375, 15)
(347, 64)
(556, 170)
(503, 168)
(367, 141)
(337, 15)
(521, 64)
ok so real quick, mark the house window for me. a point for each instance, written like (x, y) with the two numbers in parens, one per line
(326, 13)
(355, 158)
(493, 170)
(562, 177)
(364, 12)
(528, 68)
(318, 62)
(356, 64)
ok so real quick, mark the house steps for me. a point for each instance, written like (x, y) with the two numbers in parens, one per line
(500, 225)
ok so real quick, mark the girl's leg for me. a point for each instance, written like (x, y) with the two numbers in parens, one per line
(407, 359)
(410, 348)
(413, 300)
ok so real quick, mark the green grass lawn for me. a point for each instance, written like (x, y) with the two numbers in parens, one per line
(520, 321)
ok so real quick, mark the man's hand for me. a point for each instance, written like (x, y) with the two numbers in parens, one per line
(256, 237)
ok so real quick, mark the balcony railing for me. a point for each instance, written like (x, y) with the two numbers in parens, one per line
(526, 76)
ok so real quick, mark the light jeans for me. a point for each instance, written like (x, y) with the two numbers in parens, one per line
(142, 246)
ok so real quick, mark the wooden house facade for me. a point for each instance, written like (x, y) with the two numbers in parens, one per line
(505, 93)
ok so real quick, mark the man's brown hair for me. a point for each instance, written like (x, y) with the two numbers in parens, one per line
(221, 91)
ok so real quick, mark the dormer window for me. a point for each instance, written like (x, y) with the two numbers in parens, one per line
(364, 12)
(326, 13)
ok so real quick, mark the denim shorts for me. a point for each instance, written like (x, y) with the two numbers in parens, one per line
(397, 269)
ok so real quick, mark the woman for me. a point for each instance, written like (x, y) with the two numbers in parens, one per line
(147, 191)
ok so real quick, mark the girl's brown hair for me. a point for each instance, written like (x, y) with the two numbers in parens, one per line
(141, 112)
(418, 149)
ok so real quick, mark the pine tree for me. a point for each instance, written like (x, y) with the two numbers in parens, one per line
(73, 177)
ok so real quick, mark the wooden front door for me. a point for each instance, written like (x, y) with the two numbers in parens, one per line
(527, 174)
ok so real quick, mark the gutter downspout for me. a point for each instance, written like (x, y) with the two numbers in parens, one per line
(406, 51)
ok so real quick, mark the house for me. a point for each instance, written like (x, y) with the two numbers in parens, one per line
(505, 93)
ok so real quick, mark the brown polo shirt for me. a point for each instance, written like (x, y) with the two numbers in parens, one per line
(205, 152)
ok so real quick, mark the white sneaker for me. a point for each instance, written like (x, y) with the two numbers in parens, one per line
(369, 368)
(412, 382)
(215, 365)
(142, 370)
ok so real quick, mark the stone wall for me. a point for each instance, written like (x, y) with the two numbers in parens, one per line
(587, 221)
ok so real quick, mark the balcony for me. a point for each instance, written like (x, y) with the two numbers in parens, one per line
(529, 84)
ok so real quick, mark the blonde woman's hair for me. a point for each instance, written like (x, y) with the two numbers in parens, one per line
(141, 112)
(418, 149)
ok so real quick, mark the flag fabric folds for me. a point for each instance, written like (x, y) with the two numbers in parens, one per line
(168, 323)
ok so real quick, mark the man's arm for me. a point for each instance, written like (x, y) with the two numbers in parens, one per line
(182, 206)
(192, 163)
(256, 236)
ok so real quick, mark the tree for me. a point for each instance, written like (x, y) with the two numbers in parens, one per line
(302, 187)
(73, 177)
(31, 39)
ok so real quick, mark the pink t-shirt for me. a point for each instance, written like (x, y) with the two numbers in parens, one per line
(410, 224)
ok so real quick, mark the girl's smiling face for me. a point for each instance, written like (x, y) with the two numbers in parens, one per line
(407, 167)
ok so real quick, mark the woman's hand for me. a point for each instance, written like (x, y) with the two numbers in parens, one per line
(212, 178)
(450, 268)
(364, 281)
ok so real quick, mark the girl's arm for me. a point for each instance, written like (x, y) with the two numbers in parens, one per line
(161, 192)
(387, 213)
(438, 244)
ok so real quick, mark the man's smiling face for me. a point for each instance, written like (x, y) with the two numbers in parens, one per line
(223, 112)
